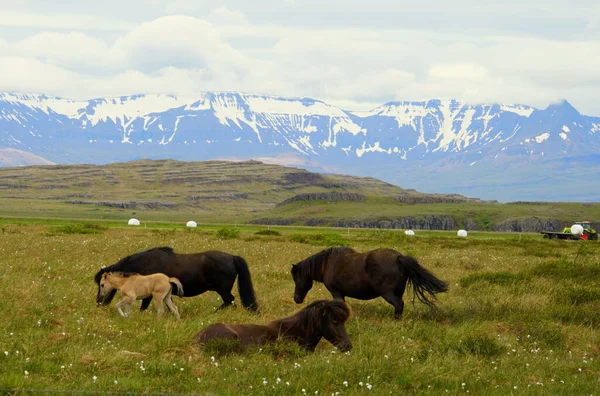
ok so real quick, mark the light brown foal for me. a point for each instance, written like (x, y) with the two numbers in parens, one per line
(137, 287)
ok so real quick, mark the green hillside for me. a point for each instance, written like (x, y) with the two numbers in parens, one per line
(254, 192)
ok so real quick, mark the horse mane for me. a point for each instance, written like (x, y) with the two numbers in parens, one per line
(120, 265)
(166, 249)
(313, 265)
(310, 318)
(123, 274)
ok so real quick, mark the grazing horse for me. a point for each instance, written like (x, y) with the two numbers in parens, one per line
(135, 287)
(198, 272)
(321, 319)
(380, 272)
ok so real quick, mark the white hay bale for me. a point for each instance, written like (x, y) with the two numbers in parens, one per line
(462, 233)
(409, 232)
(192, 224)
(135, 222)
(576, 229)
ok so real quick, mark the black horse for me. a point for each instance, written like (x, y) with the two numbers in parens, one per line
(380, 272)
(212, 270)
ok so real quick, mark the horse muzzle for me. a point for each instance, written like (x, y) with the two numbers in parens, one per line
(298, 299)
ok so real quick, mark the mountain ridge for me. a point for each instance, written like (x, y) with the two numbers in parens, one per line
(431, 143)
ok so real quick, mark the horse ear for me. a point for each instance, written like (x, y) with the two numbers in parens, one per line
(294, 269)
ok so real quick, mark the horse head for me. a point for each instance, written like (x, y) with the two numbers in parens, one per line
(328, 319)
(303, 283)
(103, 297)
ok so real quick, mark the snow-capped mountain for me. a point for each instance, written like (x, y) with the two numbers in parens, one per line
(435, 145)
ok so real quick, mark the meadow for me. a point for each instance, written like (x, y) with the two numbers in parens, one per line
(521, 316)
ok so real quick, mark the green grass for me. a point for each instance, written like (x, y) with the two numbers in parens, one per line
(512, 322)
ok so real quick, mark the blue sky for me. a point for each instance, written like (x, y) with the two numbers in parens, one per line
(352, 53)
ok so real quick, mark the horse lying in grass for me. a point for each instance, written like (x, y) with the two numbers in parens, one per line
(321, 319)
(364, 276)
(135, 287)
(198, 272)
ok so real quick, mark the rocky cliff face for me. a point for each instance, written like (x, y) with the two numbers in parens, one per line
(529, 224)
(325, 196)
(430, 222)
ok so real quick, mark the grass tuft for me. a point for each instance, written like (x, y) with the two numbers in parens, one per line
(326, 239)
(494, 278)
(563, 270)
(228, 233)
(84, 228)
(481, 345)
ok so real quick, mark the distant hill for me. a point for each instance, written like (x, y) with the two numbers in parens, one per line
(497, 151)
(254, 192)
(14, 157)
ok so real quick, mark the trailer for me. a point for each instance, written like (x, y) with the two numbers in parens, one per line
(588, 233)
(560, 235)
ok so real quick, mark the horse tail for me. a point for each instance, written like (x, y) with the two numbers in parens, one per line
(245, 287)
(177, 287)
(423, 282)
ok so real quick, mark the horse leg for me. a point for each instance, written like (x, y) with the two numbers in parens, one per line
(337, 295)
(158, 303)
(171, 306)
(227, 299)
(399, 292)
(125, 301)
(396, 302)
(145, 303)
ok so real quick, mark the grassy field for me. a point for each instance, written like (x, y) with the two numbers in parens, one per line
(521, 317)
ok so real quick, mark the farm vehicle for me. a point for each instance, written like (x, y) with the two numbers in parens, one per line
(581, 230)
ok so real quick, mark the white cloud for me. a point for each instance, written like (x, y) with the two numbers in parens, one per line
(31, 75)
(177, 41)
(224, 15)
(64, 21)
(226, 49)
(458, 71)
(69, 50)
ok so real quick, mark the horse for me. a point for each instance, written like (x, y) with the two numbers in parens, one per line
(365, 276)
(321, 319)
(199, 272)
(135, 287)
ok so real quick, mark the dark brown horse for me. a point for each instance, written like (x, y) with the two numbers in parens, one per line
(321, 319)
(198, 272)
(380, 272)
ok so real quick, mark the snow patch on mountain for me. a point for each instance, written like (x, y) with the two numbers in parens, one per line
(538, 139)
(277, 105)
(47, 104)
(524, 111)
(371, 149)
(120, 110)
